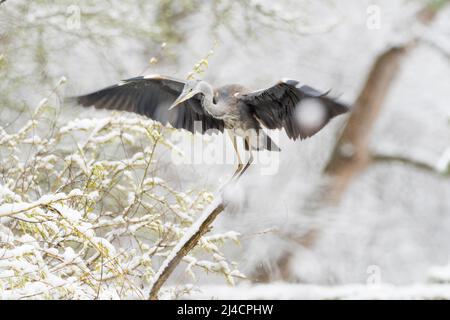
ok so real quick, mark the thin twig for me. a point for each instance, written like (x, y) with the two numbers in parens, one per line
(381, 158)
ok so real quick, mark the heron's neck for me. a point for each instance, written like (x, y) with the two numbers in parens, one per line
(212, 108)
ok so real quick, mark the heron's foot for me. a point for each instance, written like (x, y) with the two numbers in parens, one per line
(238, 170)
(241, 172)
(250, 161)
(233, 178)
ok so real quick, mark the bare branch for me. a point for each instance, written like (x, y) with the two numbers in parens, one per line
(351, 154)
(439, 48)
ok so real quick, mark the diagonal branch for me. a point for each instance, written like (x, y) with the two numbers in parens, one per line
(351, 154)
(185, 245)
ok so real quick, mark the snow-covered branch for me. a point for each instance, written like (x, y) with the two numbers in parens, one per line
(185, 245)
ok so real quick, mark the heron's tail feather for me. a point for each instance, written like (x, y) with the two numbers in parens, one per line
(259, 140)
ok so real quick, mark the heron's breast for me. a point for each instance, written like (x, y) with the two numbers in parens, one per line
(231, 121)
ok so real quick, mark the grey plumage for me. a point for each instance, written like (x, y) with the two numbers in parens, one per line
(152, 96)
(232, 107)
(275, 107)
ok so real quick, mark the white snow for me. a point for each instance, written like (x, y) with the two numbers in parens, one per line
(283, 291)
(443, 164)
(310, 114)
(439, 274)
(8, 209)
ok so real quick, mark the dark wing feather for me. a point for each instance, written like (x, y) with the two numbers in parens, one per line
(152, 96)
(276, 107)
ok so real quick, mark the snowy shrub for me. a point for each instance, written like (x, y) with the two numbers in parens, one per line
(84, 215)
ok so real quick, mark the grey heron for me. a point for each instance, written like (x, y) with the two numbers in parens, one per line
(234, 108)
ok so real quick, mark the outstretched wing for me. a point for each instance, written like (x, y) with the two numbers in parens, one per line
(152, 96)
(301, 110)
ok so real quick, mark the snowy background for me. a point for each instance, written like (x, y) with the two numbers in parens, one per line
(389, 237)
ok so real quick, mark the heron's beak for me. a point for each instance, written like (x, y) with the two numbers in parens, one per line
(182, 98)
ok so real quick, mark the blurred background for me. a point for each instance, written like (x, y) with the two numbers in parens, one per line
(389, 218)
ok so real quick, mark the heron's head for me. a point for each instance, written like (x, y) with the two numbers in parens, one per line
(192, 88)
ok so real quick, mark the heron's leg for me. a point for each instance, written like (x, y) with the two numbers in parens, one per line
(250, 159)
(236, 150)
